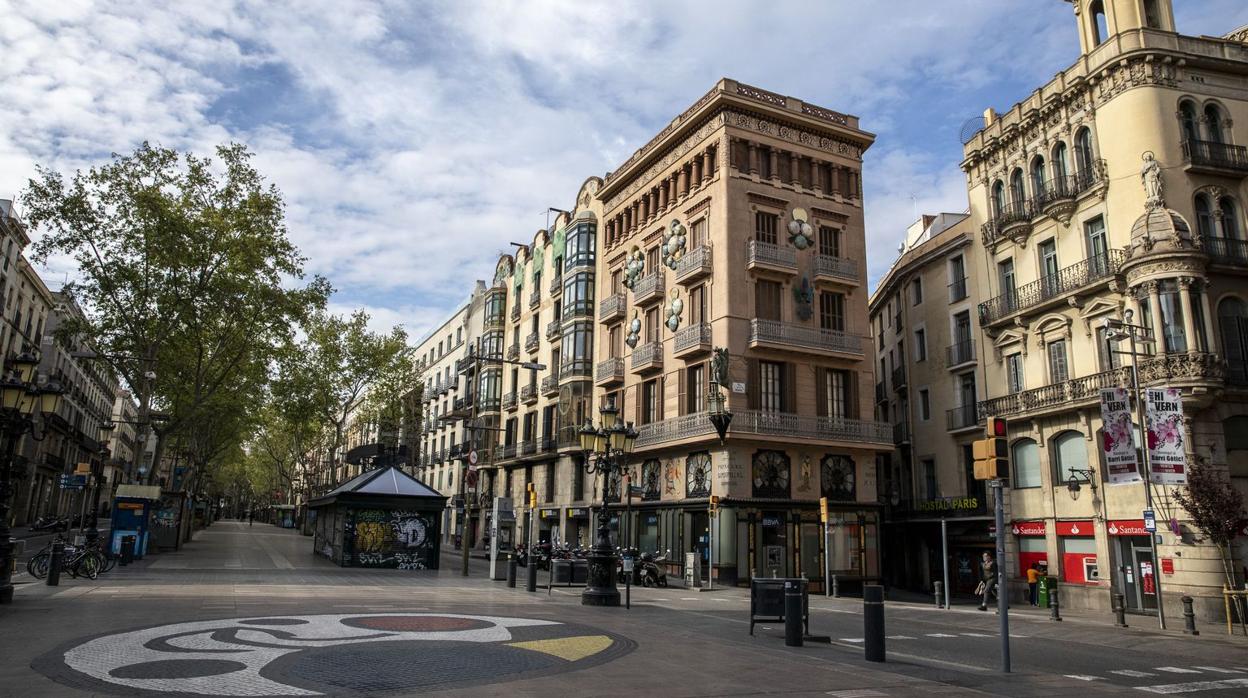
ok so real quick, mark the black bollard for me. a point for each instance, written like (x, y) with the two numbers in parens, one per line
(836, 587)
(1189, 617)
(511, 571)
(793, 612)
(940, 594)
(531, 583)
(1120, 611)
(1054, 612)
(125, 554)
(54, 564)
(873, 621)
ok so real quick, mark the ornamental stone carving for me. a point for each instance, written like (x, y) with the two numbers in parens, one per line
(1192, 366)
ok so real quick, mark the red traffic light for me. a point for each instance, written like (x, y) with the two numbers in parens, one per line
(996, 427)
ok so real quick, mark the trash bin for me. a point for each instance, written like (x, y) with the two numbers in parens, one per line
(1042, 590)
(127, 549)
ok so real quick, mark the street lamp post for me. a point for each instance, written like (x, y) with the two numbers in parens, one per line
(93, 533)
(606, 448)
(20, 399)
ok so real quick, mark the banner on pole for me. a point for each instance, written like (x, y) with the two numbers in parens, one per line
(1117, 438)
(1167, 457)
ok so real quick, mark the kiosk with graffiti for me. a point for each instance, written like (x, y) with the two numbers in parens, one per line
(390, 538)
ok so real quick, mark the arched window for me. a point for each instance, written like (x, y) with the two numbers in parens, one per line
(1230, 218)
(1100, 27)
(1017, 193)
(1187, 119)
(1026, 457)
(1037, 176)
(1233, 322)
(1083, 152)
(1061, 166)
(1070, 455)
(998, 197)
(1204, 217)
(1213, 124)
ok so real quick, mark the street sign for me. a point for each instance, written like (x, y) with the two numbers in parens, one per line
(471, 478)
(472, 457)
(1150, 521)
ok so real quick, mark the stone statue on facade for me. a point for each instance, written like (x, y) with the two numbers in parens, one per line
(719, 366)
(1150, 176)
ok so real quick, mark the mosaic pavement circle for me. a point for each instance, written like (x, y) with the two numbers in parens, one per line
(336, 654)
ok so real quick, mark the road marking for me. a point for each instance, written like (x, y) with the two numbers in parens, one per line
(688, 598)
(978, 635)
(856, 693)
(940, 635)
(1196, 686)
(723, 600)
(898, 637)
(1218, 670)
(853, 639)
(1083, 677)
(1132, 673)
(1177, 670)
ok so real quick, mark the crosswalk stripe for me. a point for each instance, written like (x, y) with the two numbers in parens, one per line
(852, 639)
(940, 635)
(1218, 670)
(1177, 670)
(978, 635)
(899, 637)
(1133, 673)
(1195, 686)
(1083, 677)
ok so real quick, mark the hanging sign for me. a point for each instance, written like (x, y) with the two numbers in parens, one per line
(1117, 437)
(1167, 459)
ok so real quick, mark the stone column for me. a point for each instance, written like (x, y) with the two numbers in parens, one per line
(835, 172)
(636, 219)
(795, 168)
(684, 183)
(753, 149)
(775, 164)
(695, 175)
(654, 202)
(644, 211)
(673, 185)
(663, 200)
(1189, 320)
(1206, 314)
(815, 182)
(1154, 310)
(708, 163)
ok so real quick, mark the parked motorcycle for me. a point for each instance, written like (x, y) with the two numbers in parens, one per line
(653, 569)
(50, 523)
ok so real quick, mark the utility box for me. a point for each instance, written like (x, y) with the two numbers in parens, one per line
(1045, 585)
(131, 514)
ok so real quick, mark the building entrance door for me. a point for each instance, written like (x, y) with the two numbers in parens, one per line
(773, 548)
(1139, 574)
(698, 541)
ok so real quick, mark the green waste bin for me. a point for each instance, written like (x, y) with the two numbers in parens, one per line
(1042, 590)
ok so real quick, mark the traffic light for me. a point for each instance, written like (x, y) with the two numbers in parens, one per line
(714, 504)
(532, 495)
(823, 509)
(992, 454)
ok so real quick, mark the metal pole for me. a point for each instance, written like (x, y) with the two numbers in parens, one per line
(944, 555)
(1003, 606)
(710, 551)
(472, 446)
(1148, 472)
(827, 563)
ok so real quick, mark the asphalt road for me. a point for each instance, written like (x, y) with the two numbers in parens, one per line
(248, 610)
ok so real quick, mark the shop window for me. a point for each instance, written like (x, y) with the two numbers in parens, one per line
(1079, 564)
(1025, 455)
(770, 476)
(1032, 550)
(698, 475)
(1070, 455)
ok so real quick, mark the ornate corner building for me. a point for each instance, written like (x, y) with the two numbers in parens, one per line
(1119, 185)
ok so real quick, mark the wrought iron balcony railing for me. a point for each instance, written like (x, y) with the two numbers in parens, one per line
(528, 394)
(550, 385)
(611, 308)
(649, 289)
(513, 352)
(1227, 250)
(1013, 215)
(532, 342)
(1054, 396)
(1220, 156)
(962, 417)
(791, 335)
(609, 371)
(757, 422)
(764, 253)
(901, 433)
(881, 392)
(1052, 286)
(554, 329)
(836, 267)
(899, 378)
(648, 356)
(556, 285)
(535, 298)
(960, 353)
(509, 400)
(694, 265)
(515, 311)
(693, 337)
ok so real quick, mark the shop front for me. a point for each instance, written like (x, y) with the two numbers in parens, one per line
(1076, 542)
(922, 531)
(578, 529)
(1033, 549)
(548, 525)
(1139, 570)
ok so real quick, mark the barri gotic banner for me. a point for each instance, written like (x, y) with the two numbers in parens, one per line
(1167, 459)
(1117, 438)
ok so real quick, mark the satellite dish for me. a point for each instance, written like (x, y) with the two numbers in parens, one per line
(969, 128)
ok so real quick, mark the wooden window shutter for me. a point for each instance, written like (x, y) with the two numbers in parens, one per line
(821, 392)
(682, 406)
(638, 392)
(752, 388)
(851, 394)
(790, 387)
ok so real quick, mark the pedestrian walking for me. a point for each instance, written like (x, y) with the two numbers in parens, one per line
(250, 515)
(1033, 584)
(988, 581)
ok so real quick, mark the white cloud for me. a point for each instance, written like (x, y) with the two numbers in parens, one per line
(414, 140)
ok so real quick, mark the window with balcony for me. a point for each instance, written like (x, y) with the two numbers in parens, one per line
(916, 291)
(1233, 324)
(831, 311)
(578, 294)
(771, 388)
(767, 304)
(833, 389)
(650, 410)
(927, 470)
(1018, 193)
(652, 325)
(829, 241)
(1059, 366)
(1107, 351)
(697, 304)
(617, 281)
(652, 259)
(577, 349)
(695, 389)
(1213, 123)
(697, 233)
(1014, 373)
(765, 226)
(615, 341)
(1037, 175)
(957, 279)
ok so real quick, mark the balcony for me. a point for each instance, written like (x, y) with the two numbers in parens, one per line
(692, 340)
(899, 378)
(554, 329)
(575, 370)
(779, 424)
(1207, 157)
(535, 299)
(556, 285)
(550, 385)
(609, 372)
(464, 365)
(509, 400)
(695, 265)
(1227, 251)
(649, 289)
(961, 353)
(1013, 221)
(1183, 369)
(528, 394)
(515, 311)
(548, 444)
(773, 334)
(532, 342)
(488, 404)
(957, 290)
(527, 448)
(766, 256)
(648, 357)
(463, 403)
(513, 352)
(1039, 293)
(964, 417)
(1076, 392)
(901, 434)
(1058, 198)
(507, 452)
(839, 269)
(611, 308)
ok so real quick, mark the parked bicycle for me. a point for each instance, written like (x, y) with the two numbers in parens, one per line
(79, 561)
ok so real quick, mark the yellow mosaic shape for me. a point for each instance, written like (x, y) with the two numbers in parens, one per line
(570, 648)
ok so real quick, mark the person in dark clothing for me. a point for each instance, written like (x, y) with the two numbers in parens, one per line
(250, 514)
(988, 580)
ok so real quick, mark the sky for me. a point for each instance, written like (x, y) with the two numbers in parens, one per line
(413, 140)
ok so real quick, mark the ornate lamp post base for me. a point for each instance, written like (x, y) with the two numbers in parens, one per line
(600, 589)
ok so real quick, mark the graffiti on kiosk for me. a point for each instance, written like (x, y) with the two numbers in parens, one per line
(390, 538)
(402, 561)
